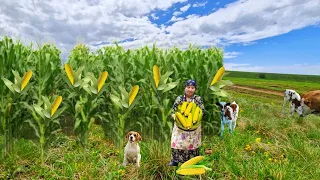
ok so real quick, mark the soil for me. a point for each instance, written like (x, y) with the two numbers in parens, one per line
(267, 91)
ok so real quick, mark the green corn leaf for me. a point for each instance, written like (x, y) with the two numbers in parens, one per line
(36, 131)
(8, 84)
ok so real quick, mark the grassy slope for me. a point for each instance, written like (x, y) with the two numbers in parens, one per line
(274, 76)
(289, 149)
(277, 82)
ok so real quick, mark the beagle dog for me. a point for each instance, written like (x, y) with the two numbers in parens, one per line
(132, 149)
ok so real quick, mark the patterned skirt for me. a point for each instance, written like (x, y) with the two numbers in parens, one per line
(185, 144)
(182, 156)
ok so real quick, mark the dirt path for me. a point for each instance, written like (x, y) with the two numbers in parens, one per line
(258, 90)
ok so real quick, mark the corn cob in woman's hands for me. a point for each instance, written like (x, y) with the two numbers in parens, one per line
(188, 116)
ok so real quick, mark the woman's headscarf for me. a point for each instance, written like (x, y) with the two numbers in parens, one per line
(191, 82)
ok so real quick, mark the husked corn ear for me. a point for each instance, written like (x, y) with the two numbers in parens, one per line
(218, 76)
(189, 121)
(56, 104)
(196, 114)
(26, 79)
(191, 171)
(188, 110)
(184, 107)
(181, 119)
(156, 75)
(69, 72)
(200, 115)
(192, 161)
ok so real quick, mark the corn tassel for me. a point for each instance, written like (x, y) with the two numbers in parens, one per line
(196, 114)
(184, 107)
(188, 110)
(133, 93)
(26, 79)
(181, 119)
(102, 80)
(192, 161)
(218, 76)
(156, 75)
(69, 72)
(56, 104)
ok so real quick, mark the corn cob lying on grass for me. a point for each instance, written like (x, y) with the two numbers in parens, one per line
(188, 116)
(191, 167)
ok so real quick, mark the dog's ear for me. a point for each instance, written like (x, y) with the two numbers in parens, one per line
(228, 104)
(139, 137)
(127, 136)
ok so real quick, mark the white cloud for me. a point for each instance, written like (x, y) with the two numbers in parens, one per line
(62, 22)
(199, 4)
(261, 19)
(288, 69)
(185, 8)
(154, 16)
(175, 19)
(177, 13)
(96, 21)
(229, 55)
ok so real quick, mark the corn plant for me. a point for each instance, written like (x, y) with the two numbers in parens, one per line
(124, 102)
(160, 97)
(13, 55)
(86, 93)
(45, 122)
(17, 90)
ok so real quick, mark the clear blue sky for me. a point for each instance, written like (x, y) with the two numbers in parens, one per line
(256, 35)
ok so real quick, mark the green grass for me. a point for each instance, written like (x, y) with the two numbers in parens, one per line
(275, 76)
(276, 85)
(295, 138)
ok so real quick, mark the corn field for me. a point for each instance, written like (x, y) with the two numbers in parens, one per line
(113, 87)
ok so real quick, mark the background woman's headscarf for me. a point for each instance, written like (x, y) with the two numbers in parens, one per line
(191, 82)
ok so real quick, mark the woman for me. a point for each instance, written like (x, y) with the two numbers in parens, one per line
(185, 144)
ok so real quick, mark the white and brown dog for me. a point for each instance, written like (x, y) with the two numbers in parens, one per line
(132, 149)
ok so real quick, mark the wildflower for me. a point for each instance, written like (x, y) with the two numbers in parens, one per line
(269, 142)
(121, 172)
(258, 140)
(275, 160)
(241, 110)
(248, 147)
(266, 154)
(270, 159)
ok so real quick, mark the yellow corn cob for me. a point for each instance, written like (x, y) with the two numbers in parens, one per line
(218, 76)
(189, 121)
(56, 104)
(192, 161)
(133, 93)
(186, 113)
(191, 171)
(156, 75)
(184, 106)
(102, 80)
(69, 72)
(25, 79)
(181, 119)
(200, 115)
(196, 114)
